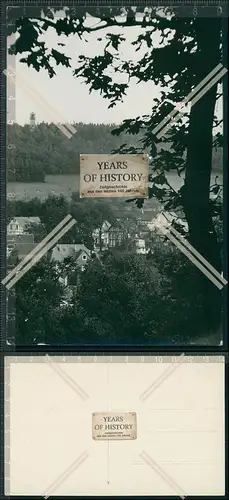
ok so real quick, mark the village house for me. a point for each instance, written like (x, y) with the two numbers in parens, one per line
(109, 236)
(80, 253)
(23, 244)
(128, 234)
(101, 236)
(19, 240)
(20, 225)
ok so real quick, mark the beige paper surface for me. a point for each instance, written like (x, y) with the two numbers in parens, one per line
(114, 176)
(180, 445)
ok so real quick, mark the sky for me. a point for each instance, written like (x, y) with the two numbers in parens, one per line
(69, 96)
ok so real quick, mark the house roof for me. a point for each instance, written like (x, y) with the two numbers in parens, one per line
(148, 214)
(103, 228)
(142, 223)
(105, 225)
(62, 251)
(24, 249)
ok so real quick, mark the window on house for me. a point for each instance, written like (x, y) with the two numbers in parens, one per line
(112, 241)
(84, 257)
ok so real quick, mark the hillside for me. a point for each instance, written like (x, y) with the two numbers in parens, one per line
(44, 150)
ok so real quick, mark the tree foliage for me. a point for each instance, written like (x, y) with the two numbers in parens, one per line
(89, 215)
(122, 299)
(188, 50)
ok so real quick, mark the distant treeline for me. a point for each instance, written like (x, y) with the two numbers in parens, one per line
(44, 150)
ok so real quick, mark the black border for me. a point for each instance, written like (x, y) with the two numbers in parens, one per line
(2, 174)
(3, 268)
(225, 180)
(98, 349)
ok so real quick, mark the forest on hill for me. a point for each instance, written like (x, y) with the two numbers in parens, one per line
(44, 150)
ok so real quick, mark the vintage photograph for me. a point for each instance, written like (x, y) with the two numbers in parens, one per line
(133, 253)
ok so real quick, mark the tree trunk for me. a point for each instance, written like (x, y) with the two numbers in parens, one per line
(199, 165)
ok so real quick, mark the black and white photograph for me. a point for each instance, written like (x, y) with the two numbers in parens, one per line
(116, 176)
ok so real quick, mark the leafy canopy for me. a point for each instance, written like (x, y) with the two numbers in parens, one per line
(169, 57)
